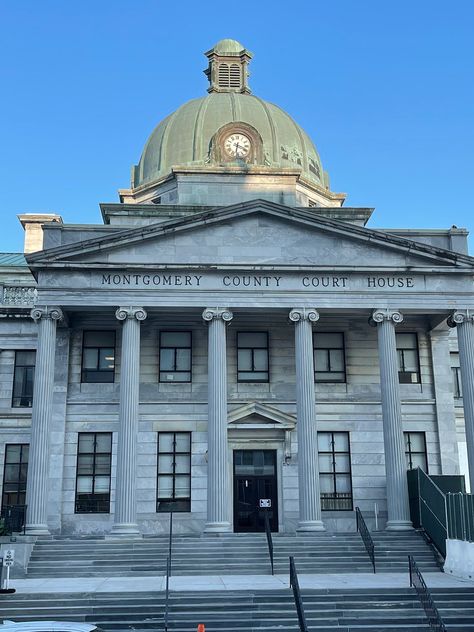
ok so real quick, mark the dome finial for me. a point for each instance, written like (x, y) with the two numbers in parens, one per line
(227, 70)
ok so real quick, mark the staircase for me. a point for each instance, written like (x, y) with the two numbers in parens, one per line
(229, 554)
(348, 610)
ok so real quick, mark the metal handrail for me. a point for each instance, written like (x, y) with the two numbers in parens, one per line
(167, 593)
(294, 584)
(432, 614)
(170, 540)
(365, 535)
(269, 538)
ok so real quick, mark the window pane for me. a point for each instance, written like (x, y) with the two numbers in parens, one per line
(324, 441)
(183, 442)
(86, 442)
(182, 464)
(165, 486)
(106, 359)
(183, 487)
(101, 484)
(253, 376)
(328, 340)
(336, 359)
(342, 463)
(103, 442)
(411, 360)
(417, 440)
(341, 441)
(321, 360)
(99, 339)
(454, 359)
(254, 340)
(418, 460)
(90, 358)
(260, 359)
(325, 463)
(102, 464)
(25, 358)
(244, 359)
(175, 339)
(183, 359)
(343, 483)
(13, 454)
(166, 441)
(406, 341)
(167, 360)
(85, 464)
(165, 464)
(327, 483)
(84, 484)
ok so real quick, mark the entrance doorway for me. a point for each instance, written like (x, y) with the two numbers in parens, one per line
(255, 490)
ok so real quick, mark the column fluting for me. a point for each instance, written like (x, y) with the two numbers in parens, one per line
(308, 467)
(398, 509)
(125, 518)
(38, 475)
(218, 489)
(463, 320)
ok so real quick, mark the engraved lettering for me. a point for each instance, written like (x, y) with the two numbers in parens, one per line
(146, 279)
(106, 279)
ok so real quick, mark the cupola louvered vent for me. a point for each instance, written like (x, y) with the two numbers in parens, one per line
(224, 76)
(235, 76)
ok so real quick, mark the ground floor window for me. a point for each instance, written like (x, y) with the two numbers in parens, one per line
(94, 458)
(14, 474)
(415, 450)
(335, 471)
(174, 471)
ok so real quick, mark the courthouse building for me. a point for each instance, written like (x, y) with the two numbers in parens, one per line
(231, 336)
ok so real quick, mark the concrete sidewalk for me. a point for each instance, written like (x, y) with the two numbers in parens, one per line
(229, 582)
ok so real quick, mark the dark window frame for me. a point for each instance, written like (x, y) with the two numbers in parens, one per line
(401, 365)
(346, 500)
(89, 509)
(106, 373)
(17, 400)
(252, 349)
(20, 492)
(190, 348)
(409, 453)
(456, 372)
(329, 349)
(171, 503)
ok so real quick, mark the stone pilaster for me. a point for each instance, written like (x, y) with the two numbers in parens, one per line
(308, 468)
(463, 320)
(38, 466)
(125, 519)
(395, 463)
(218, 488)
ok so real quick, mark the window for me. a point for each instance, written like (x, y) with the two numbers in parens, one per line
(23, 379)
(415, 450)
(14, 474)
(329, 359)
(98, 356)
(456, 369)
(335, 471)
(175, 356)
(408, 359)
(174, 471)
(94, 456)
(252, 356)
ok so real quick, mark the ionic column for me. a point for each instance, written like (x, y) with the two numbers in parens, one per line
(395, 463)
(218, 489)
(308, 468)
(463, 320)
(125, 518)
(37, 484)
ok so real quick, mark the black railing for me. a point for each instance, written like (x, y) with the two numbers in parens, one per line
(336, 501)
(268, 531)
(14, 517)
(365, 535)
(432, 614)
(170, 541)
(294, 584)
(167, 594)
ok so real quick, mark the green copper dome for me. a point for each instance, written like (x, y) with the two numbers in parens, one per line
(189, 136)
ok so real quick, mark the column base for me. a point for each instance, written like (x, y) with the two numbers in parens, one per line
(125, 530)
(398, 525)
(37, 529)
(311, 525)
(217, 527)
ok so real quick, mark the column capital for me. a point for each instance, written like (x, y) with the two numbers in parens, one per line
(303, 313)
(381, 315)
(124, 313)
(460, 316)
(52, 313)
(216, 313)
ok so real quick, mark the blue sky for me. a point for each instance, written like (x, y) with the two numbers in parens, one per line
(385, 90)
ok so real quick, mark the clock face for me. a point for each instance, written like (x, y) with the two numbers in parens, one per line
(237, 145)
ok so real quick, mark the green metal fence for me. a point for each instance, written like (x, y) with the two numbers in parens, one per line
(460, 511)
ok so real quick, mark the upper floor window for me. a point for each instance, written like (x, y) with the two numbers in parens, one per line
(329, 357)
(14, 474)
(175, 356)
(98, 356)
(415, 450)
(408, 358)
(94, 458)
(335, 471)
(23, 379)
(456, 370)
(252, 356)
(174, 471)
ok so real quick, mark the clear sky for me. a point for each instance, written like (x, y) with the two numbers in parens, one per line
(385, 90)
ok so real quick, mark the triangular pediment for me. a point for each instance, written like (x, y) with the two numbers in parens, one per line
(253, 233)
(259, 417)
